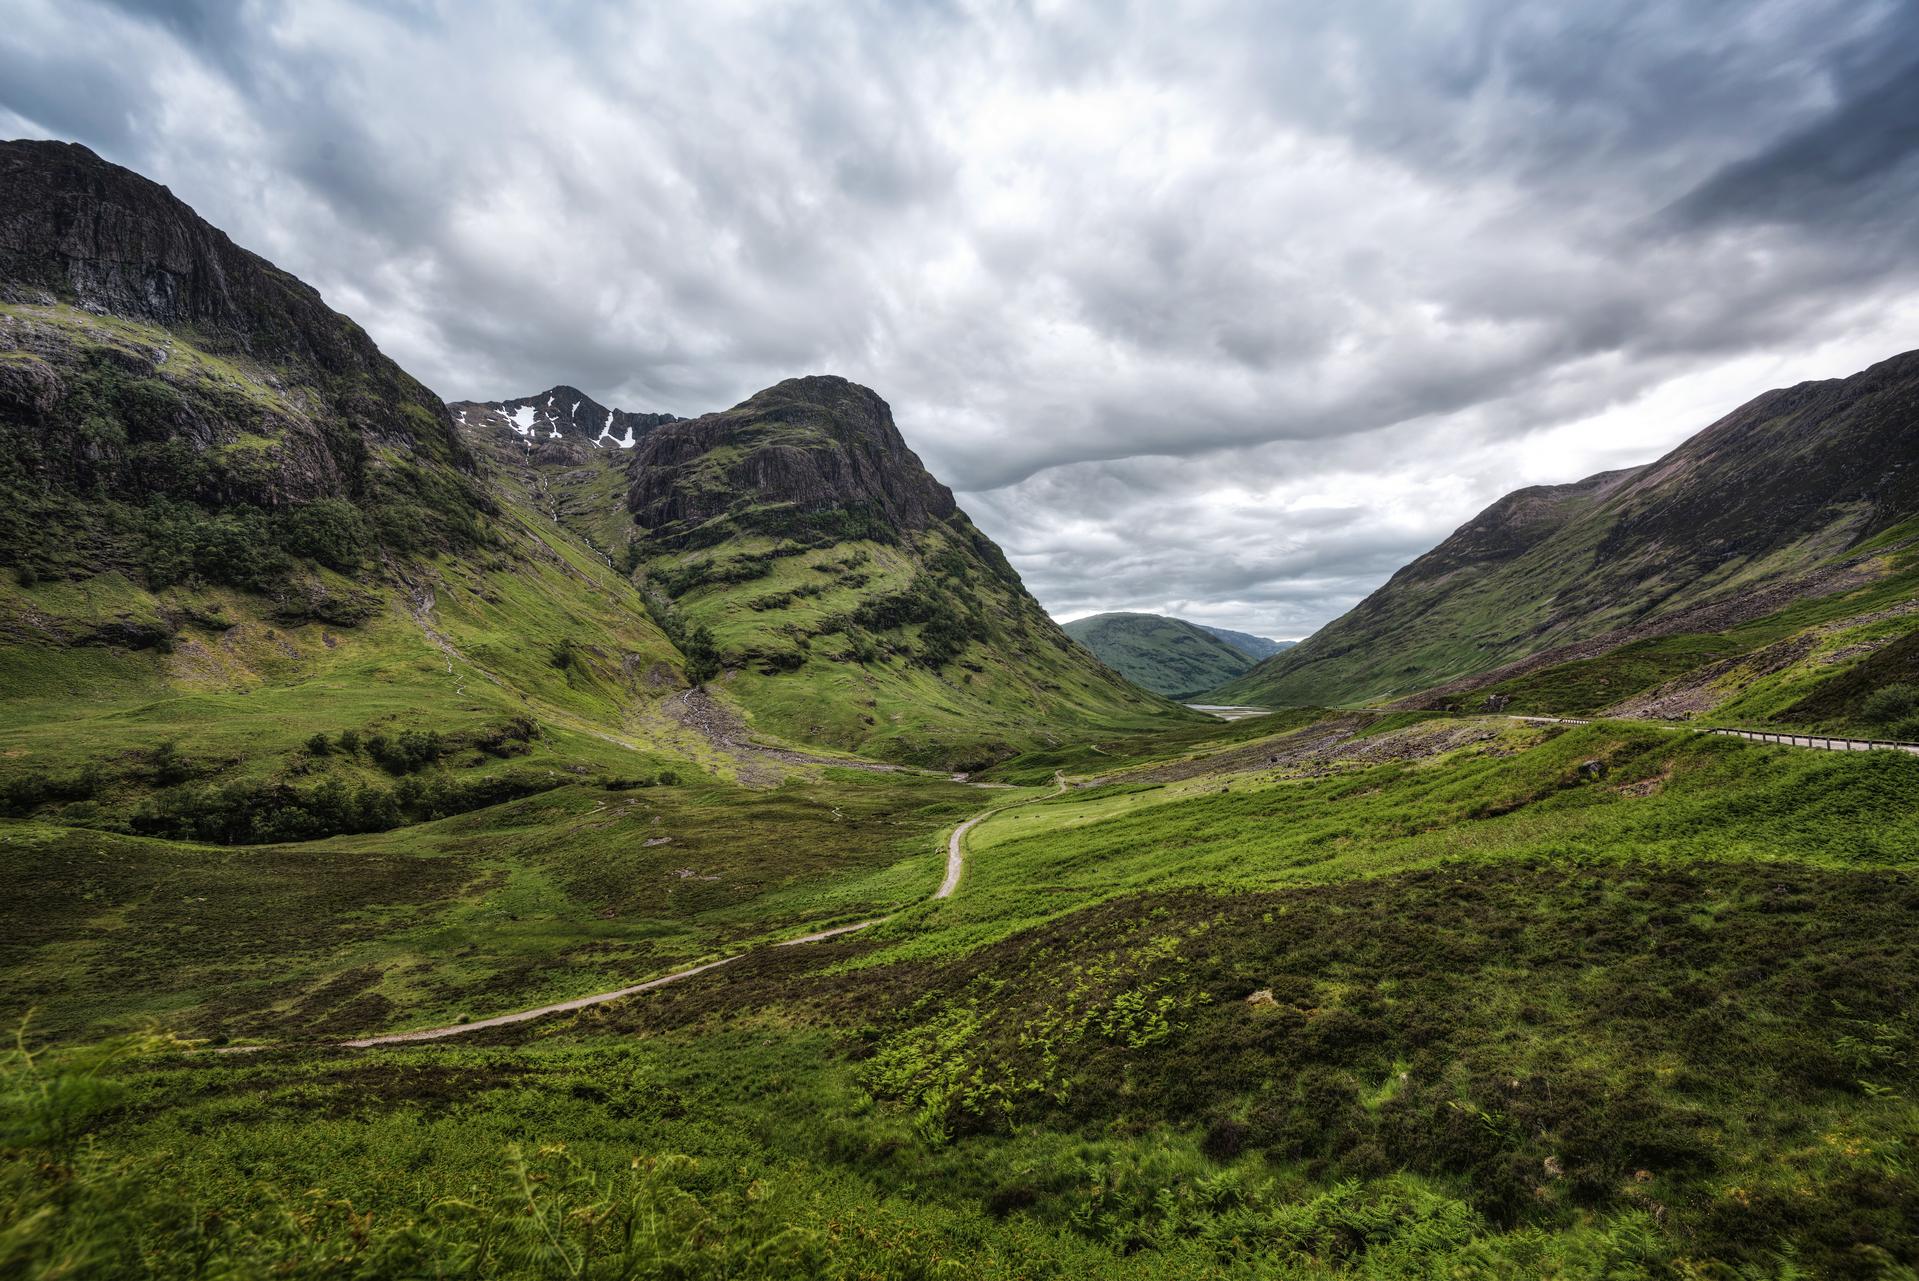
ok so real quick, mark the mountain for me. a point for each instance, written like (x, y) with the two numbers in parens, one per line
(173, 405)
(235, 528)
(1795, 495)
(1254, 647)
(1166, 655)
(849, 601)
(560, 416)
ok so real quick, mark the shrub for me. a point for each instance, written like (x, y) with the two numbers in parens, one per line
(781, 660)
(702, 655)
(1890, 704)
(409, 750)
(318, 745)
(511, 739)
(24, 793)
(169, 765)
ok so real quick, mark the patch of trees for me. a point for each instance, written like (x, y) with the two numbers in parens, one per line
(250, 813)
(702, 655)
(128, 471)
(410, 750)
(696, 644)
(677, 580)
(948, 620)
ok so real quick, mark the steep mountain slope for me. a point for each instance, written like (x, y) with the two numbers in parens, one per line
(558, 423)
(796, 541)
(235, 529)
(171, 404)
(1797, 494)
(1254, 647)
(1166, 655)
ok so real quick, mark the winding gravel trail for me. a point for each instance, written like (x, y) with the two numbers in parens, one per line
(955, 865)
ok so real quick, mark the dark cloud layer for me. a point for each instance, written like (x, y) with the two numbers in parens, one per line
(1225, 309)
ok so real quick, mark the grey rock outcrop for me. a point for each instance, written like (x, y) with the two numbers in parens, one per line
(807, 445)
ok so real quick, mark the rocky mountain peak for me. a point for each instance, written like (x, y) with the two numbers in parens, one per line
(154, 374)
(808, 445)
(79, 230)
(560, 419)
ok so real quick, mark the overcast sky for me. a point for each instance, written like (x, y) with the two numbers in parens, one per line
(1216, 309)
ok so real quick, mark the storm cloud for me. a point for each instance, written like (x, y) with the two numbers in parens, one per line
(1220, 309)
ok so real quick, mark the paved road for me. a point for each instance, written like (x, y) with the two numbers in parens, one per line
(1820, 742)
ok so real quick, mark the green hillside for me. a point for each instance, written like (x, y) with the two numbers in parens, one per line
(1166, 655)
(847, 600)
(1794, 496)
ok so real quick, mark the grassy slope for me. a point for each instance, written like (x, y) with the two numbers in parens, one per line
(576, 890)
(1166, 655)
(1022, 686)
(1809, 666)
(1777, 497)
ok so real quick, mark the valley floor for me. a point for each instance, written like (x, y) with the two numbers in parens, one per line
(1398, 995)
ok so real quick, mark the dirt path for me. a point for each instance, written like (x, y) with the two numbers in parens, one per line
(955, 865)
(523, 1016)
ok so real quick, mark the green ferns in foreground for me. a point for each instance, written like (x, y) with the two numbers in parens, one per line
(563, 1163)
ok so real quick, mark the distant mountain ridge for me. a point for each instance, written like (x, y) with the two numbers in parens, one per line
(1169, 656)
(1254, 647)
(560, 414)
(1785, 498)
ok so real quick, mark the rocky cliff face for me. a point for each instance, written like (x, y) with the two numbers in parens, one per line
(77, 229)
(157, 382)
(558, 425)
(1766, 505)
(807, 447)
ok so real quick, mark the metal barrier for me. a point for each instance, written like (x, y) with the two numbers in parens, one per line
(1820, 741)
